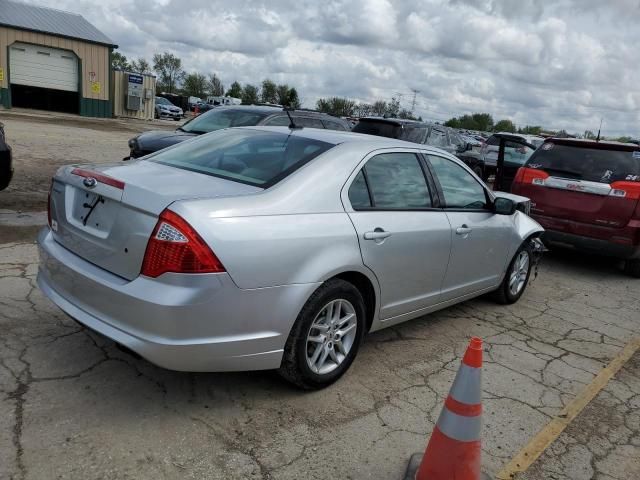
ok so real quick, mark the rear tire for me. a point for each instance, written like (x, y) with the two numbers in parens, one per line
(331, 325)
(517, 277)
(632, 267)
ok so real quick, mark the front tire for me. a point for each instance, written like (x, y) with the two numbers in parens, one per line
(517, 277)
(325, 337)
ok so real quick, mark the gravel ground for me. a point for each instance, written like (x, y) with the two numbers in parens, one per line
(72, 405)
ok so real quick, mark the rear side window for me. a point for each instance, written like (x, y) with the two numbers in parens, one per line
(333, 125)
(414, 134)
(437, 138)
(279, 121)
(382, 129)
(244, 155)
(308, 122)
(591, 164)
(391, 181)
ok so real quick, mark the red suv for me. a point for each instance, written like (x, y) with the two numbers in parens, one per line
(586, 194)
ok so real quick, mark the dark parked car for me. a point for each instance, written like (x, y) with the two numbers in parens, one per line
(231, 116)
(421, 132)
(586, 194)
(6, 167)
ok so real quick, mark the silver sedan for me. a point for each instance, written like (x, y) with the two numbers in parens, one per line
(276, 248)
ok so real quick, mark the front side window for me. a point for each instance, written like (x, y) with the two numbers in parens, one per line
(308, 122)
(460, 188)
(333, 125)
(249, 156)
(279, 121)
(415, 134)
(394, 181)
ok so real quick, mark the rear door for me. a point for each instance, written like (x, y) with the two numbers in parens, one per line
(480, 239)
(403, 238)
(588, 184)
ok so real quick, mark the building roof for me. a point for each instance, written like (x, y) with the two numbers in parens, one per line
(51, 21)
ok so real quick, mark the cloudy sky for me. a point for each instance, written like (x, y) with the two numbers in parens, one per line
(559, 63)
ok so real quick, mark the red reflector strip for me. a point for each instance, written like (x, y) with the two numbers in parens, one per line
(463, 409)
(99, 177)
(634, 224)
(631, 189)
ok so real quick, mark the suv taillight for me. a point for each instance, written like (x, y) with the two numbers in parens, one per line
(175, 246)
(623, 189)
(530, 175)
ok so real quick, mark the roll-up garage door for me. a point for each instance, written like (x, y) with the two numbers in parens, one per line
(43, 67)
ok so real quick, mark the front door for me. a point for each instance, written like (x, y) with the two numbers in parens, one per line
(403, 239)
(480, 238)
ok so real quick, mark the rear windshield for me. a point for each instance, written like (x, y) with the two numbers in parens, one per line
(248, 156)
(219, 118)
(381, 129)
(579, 163)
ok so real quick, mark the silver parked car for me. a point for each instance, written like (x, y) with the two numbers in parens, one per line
(270, 248)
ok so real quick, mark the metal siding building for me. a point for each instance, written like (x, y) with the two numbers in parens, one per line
(53, 60)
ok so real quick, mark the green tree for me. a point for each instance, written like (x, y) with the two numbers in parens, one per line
(195, 85)
(294, 100)
(119, 61)
(140, 66)
(484, 121)
(235, 90)
(453, 123)
(215, 88)
(250, 95)
(406, 114)
(169, 70)
(282, 94)
(505, 126)
(337, 106)
(589, 135)
(269, 92)
(379, 108)
(362, 110)
(393, 108)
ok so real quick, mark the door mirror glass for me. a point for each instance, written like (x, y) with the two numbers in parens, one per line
(504, 206)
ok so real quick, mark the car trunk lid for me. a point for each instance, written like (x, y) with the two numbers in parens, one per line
(106, 214)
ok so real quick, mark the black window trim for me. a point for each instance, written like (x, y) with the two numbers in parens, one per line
(426, 174)
(488, 197)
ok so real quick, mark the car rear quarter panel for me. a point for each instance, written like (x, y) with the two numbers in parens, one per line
(273, 250)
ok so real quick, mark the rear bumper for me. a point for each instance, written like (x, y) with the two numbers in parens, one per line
(591, 245)
(180, 322)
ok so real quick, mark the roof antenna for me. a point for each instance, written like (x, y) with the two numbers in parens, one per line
(600, 128)
(292, 124)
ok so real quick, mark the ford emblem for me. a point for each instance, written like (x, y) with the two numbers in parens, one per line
(90, 182)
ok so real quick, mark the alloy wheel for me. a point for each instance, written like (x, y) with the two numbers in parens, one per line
(519, 272)
(331, 336)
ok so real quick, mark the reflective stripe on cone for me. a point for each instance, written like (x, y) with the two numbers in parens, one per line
(454, 450)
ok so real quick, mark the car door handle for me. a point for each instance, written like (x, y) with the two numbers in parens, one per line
(377, 234)
(463, 230)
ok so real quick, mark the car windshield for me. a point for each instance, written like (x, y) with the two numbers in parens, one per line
(248, 156)
(381, 129)
(163, 101)
(219, 118)
(591, 164)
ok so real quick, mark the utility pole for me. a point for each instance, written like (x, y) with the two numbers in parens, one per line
(413, 103)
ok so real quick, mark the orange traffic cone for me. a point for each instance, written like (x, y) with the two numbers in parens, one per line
(453, 452)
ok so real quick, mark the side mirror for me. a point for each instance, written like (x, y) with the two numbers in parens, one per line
(504, 206)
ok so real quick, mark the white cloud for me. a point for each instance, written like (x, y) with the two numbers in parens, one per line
(559, 63)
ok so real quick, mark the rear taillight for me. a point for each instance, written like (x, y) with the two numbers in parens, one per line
(623, 189)
(531, 175)
(176, 247)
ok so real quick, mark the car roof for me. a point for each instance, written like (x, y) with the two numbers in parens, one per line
(600, 144)
(393, 121)
(337, 137)
(270, 109)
